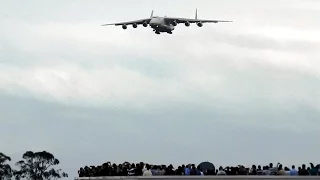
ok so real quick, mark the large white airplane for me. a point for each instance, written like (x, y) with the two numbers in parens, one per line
(164, 24)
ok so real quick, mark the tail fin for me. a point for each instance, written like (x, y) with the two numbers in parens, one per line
(196, 14)
(151, 14)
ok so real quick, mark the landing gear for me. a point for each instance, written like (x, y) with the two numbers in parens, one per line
(157, 32)
(170, 32)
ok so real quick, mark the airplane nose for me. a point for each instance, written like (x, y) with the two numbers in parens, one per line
(153, 24)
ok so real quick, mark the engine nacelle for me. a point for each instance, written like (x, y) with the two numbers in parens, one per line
(174, 23)
(124, 27)
(134, 25)
(200, 24)
(187, 24)
(145, 24)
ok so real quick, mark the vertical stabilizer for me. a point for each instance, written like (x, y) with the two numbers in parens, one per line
(151, 14)
(196, 14)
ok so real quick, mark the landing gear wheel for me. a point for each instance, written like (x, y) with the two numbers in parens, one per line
(170, 32)
(157, 32)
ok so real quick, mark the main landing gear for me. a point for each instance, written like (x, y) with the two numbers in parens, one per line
(158, 32)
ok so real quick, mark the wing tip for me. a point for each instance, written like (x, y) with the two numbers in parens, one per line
(107, 24)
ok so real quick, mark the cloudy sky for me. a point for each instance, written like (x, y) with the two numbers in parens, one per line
(230, 93)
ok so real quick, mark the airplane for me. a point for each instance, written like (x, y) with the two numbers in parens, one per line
(164, 24)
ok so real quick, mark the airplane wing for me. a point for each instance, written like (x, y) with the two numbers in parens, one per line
(140, 21)
(195, 20)
(184, 20)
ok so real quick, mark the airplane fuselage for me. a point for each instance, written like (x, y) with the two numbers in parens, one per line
(159, 24)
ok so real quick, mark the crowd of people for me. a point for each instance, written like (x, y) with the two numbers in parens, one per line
(206, 168)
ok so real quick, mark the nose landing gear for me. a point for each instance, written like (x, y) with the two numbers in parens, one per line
(156, 31)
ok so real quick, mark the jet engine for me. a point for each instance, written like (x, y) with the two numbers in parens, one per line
(124, 26)
(187, 23)
(145, 24)
(200, 24)
(174, 23)
(134, 25)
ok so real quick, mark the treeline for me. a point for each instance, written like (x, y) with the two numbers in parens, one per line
(33, 166)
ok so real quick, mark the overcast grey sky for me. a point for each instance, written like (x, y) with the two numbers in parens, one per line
(230, 93)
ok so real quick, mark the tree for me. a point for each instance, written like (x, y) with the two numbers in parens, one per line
(38, 166)
(5, 169)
